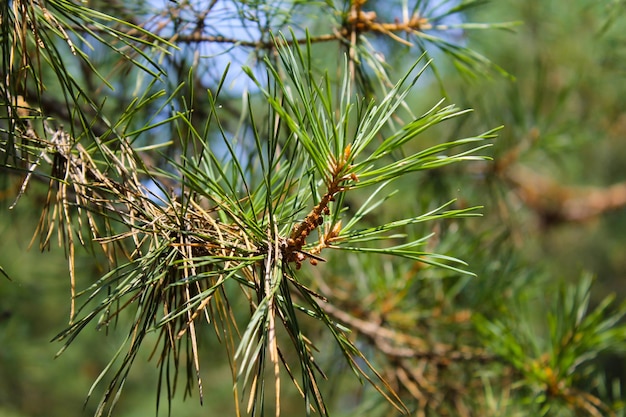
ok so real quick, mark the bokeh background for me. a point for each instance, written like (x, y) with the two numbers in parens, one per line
(553, 199)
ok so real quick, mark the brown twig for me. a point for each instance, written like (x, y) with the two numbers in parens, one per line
(292, 246)
(398, 346)
(358, 21)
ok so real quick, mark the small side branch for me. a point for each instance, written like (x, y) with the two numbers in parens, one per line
(292, 246)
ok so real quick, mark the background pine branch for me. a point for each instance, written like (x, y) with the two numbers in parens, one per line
(272, 202)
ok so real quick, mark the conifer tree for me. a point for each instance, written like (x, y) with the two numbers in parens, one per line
(290, 184)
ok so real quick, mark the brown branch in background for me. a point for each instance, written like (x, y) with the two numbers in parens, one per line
(199, 37)
(555, 203)
(398, 346)
(358, 22)
(415, 365)
(552, 202)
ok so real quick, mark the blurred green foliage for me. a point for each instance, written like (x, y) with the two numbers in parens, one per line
(538, 337)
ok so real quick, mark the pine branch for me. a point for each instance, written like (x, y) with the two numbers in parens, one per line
(397, 345)
(555, 203)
